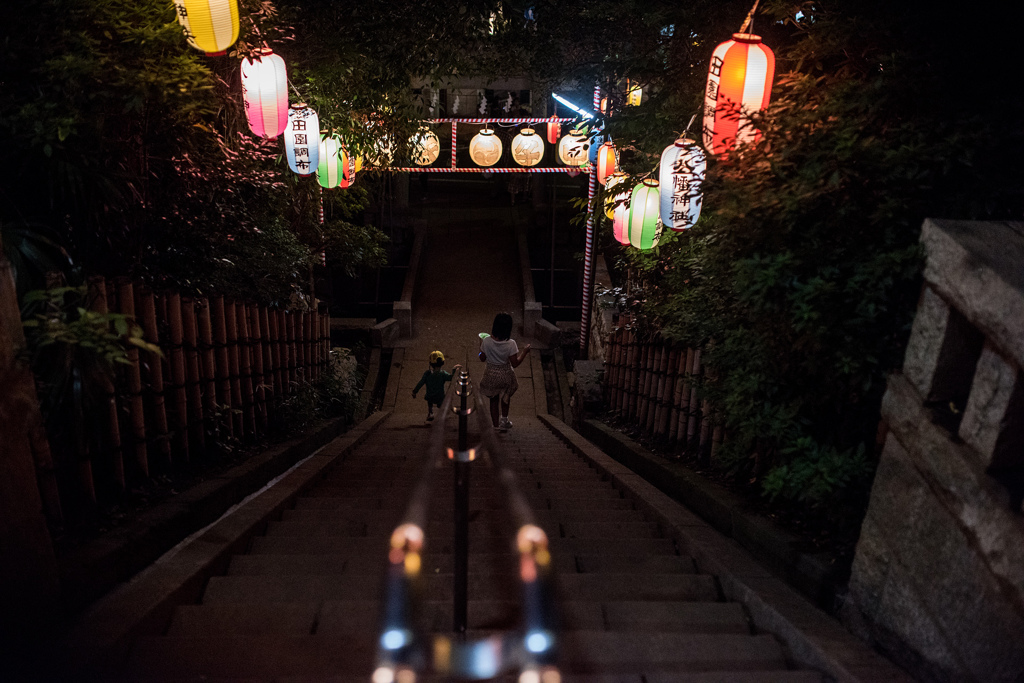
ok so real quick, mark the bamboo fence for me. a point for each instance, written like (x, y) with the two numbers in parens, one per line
(654, 386)
(225, 368)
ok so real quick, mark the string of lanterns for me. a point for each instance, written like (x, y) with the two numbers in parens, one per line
(739, 83)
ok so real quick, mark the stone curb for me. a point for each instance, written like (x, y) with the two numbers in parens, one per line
(813, 638)
(144, 604)
(100, 565)
(723, 510)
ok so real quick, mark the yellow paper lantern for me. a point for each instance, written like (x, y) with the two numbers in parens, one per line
(527, 148)
(485, 148)
(573, 148)
(209, 25)
(634, 94)
(425, 147)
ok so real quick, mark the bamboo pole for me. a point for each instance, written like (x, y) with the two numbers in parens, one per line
(632, 377)
(694, 418)
(677, 396)
(193, 372)
(133, 375)
(611, 368)
(220, 341)
(622, 383)
(293, 358)
(684, 404)
(645, 385)
(279, 373)
(208, 359)
(716, 439)
(146, 306)
(269, 381)
(98, 303)
(665, 390)
(177, 362)
(704, 454)
(259, 380)
(245, 368)
(657, 386)
(234, 374)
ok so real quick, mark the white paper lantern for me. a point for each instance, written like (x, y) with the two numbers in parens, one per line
(265, 94)
(527, 148)
(620, 212)
(682, 179)
(485, 148)
(425, 147)
(611, 195)
(302, 139)
(573, 149)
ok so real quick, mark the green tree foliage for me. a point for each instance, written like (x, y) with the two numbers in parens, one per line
(802, 276)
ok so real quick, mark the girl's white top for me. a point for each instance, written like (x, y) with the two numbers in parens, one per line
(498, 352)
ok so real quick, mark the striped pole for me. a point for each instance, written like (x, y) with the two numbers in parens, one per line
(588, 253)
(454, 136)
(475, 169)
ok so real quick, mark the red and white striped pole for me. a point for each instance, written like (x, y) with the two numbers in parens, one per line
(588, 252)
(454, 136)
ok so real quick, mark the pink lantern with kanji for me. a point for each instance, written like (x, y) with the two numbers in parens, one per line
(265, 93)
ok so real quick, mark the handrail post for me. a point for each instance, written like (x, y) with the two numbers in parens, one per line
(460, 579)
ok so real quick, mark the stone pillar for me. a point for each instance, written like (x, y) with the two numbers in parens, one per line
(938, 577)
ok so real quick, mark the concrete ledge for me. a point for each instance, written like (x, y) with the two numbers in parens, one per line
(723, 510)
(99, 566)
(547, 334)
(144, 605)
(812, 637)
(384, 334)
(401, 310)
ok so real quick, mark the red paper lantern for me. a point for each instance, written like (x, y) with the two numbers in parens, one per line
(739, 84)
(606, 164)
(554, 130)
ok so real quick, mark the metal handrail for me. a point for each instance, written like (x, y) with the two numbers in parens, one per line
(402, 652)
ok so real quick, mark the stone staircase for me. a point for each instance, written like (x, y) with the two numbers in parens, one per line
(302, 603)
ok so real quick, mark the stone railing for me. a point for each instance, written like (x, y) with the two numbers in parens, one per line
(938, 578)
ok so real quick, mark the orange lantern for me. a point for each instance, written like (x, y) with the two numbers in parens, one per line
(606, 164)
(739, 83)
(554, 130)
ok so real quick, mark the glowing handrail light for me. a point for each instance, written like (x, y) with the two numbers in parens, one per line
(572, 106)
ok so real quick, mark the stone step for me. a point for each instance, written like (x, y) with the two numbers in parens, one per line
(603, 652)
(543, 516)
(341, 586)
(366, 545)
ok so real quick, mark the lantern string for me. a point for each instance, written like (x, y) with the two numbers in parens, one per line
(749, 21)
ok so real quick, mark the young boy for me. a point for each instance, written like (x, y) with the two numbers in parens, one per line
(434, 379)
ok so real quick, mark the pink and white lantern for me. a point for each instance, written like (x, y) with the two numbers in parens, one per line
(265, 93)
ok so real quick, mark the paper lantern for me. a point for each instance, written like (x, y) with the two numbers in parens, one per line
(209, 25)
(349, 177)
(682, 179)
(425, 147)
(302, 138)
(265, 94)
(527, 148)
(643, 218)
(595, 145)
(619, 208)
(573, 148)
(333, 162)
(554, 130)
(739, 84)
(485, 148)
(606, 162)
(634, 94)
(610, 195)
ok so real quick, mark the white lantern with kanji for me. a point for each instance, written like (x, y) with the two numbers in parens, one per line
(620, 210)
(573, 148)
(610, 194)
(265, 93)
(302, 139)
(681, 174)
(333, 162)
(527, 148)
(485, 148)
(425, 147)
(209, 25)
(739, 84)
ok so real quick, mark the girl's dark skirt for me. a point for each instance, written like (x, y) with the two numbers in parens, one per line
(499, 380)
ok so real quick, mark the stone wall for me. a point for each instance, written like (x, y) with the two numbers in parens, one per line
(938, 578)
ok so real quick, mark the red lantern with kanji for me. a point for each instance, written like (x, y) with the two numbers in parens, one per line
(606, 163)
(739, 84)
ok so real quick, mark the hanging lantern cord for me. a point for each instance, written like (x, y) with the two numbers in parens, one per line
(692, 119)
(749, 21)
